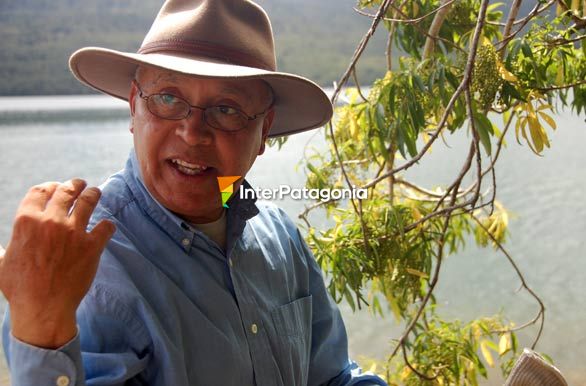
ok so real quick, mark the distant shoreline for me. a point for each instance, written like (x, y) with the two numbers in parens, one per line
(73, 102)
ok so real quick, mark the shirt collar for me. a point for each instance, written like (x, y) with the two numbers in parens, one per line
(239, 209)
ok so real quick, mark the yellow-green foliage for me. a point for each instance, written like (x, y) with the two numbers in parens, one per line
(383, 251)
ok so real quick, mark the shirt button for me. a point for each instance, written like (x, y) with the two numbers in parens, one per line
(62, 380)
(254, 328)
(185, 242)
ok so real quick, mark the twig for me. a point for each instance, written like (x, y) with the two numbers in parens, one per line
(476, 145)
(536, 11)
(541, 312)
(561, 41)
(360, 49)
(411, 21)
(421, 30)
(463, 172)
(419, 374)
(579, 83)
(389, 48)
(355, 77)
(497, 153)
(580, 21)
(420, 189)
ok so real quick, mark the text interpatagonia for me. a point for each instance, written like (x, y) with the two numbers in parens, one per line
(303, 193)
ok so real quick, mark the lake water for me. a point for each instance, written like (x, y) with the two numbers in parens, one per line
(56, 138)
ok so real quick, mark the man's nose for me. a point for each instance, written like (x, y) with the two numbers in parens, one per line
(194, 130)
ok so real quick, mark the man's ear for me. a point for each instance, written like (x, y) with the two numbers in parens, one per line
(131, 103)
(266, 127)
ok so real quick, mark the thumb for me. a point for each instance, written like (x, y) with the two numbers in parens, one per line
(103, 232)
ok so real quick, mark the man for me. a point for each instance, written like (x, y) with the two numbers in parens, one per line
(169, 287)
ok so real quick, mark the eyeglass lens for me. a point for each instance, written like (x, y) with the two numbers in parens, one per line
(220, 117)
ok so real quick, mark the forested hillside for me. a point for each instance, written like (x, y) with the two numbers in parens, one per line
(315, 38)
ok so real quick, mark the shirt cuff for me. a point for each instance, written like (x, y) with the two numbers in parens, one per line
(31, 365)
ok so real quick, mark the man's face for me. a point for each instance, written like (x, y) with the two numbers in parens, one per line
(162, 144)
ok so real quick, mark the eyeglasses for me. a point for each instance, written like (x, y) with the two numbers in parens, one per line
(169, 106)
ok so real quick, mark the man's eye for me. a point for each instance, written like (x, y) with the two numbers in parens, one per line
(168, 99)
(227, 110)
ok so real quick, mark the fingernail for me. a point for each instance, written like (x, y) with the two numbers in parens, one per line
(94, 190)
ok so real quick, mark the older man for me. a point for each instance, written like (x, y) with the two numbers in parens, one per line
(169, 287)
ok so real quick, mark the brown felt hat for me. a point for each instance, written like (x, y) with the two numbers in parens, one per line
(215, 39)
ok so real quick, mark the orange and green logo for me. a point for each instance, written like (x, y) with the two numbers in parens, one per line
(227, 188)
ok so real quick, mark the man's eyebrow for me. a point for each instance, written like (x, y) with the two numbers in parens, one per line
(166, 76)
(245, 92)
(240, 91)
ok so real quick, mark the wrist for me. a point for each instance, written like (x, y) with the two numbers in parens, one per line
(50, 331)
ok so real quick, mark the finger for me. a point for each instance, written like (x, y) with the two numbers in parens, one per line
(103, 232)
(64, 198)
(37, 197)
(84, 206)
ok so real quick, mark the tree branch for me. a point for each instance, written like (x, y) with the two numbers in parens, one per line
(360, 49)
(435, 27)
(510, 20)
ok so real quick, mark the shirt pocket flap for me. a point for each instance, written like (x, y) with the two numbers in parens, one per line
(293, 319)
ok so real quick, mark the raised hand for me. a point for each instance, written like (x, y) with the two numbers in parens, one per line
(50, 261)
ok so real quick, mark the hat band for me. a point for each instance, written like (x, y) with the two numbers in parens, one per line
(205, 49)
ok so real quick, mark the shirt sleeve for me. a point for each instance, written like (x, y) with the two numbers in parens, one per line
(31, 365)
(109, 349)
(329, 363)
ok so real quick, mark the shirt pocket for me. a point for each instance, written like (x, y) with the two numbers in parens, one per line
(292, 324)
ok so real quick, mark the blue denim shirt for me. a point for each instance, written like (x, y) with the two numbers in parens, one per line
(169, 307)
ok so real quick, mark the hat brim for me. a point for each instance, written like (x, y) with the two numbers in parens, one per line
(300, 103)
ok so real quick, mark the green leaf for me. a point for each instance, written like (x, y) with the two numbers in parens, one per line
(510, 90)
(492, 7)
(417, 80)
(349, 299)
(515, 46)
(441, 83)
(400, 139)
(454, 82)
(526, 49)
(392, 91)
(484, 128)
(411, 142)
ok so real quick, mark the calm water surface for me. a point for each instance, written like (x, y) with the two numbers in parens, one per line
(63, 137)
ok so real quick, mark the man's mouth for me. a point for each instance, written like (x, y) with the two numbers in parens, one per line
(188, 168)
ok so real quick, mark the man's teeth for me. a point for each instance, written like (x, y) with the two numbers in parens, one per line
(189, 168)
